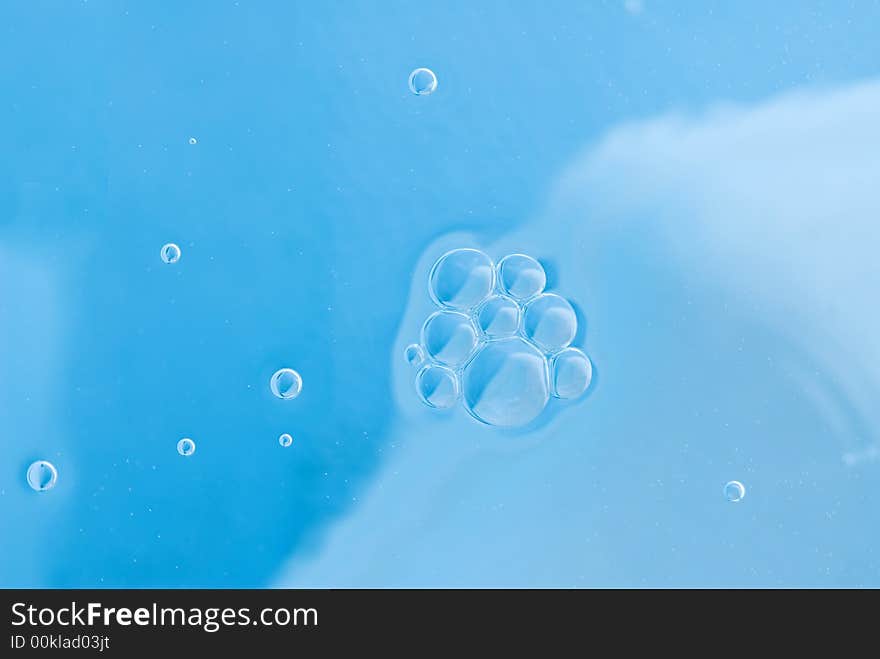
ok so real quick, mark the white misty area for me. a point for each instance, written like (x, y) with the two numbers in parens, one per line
(777, 202)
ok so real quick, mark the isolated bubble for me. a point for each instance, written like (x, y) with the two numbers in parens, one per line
(170, 253)
(286, 383)
(498, 316)
(521, 276)
(571, 372)
(413, 354)
(461, 279)
(550, 321)
(449, 337)
(422, 82)
(506, 383)
(437, 386)
(186, 446)
(193, 140)
(734, 491)
(285, 440)
(42, 475)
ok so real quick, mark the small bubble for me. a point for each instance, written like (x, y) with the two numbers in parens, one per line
(550, 322)
(285, 440)
(571, 373)
(498, 316)
(42, 475)
(449, 337)
(422, 82)
(461, 279)
(437, 386)
(186, 447)
(286, 383)
(521, 276)
(734, 491)
(414, 355)
(170, 253)
(193, 141)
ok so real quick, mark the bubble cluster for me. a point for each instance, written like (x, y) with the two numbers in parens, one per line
(42, 475)
(422, 82)
(186, 447)
(170, 253)
(285, 383)
(285, 440)
(734, 491)
(498, 342)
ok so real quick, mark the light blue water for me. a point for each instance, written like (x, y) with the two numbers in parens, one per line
(697, 179)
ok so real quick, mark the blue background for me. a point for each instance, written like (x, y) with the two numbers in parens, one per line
(307, 212)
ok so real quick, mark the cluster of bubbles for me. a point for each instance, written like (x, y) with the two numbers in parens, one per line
(498, 341)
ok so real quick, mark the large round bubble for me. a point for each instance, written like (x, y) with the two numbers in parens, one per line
(286, 383)
(42, 475)
(521, 276)
(449, 337)
(506, 383)
(550, 321)
(461, 279)
(437, 386)
(571, 372)
(498, 316)
(422, 82)
(734, 491)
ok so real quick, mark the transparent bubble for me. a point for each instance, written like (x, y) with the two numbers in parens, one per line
(413, 354)
(42, 475)
(285, 440)
(506, 383)
(286, 383)
(461, 279)
(571, 372)
(521, 276)
(170, 253)
(193, 140)
(498, 316)
(186, 447)
(449, 337)
(437, 386)
(422, 82)
(734, 491)
(550, 321)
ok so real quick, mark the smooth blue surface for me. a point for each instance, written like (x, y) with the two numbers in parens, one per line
(699, 178)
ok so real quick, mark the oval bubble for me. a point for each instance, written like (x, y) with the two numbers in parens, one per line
(521, 276)
(170, 253)
(186, 447)
(734, 491)
(498, 316)
(550, 322)
(506, 383)
(285, 440)
(449, 337)
(42, 475)
(413, 354)
(461, 279)
(422, 82)
(571, 372)
(286, 383)
(437, 386)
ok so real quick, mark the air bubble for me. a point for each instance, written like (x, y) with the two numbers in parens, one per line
(193, 141)
(550, 321)
(285, 440)
(42, 475)
(734, 491)
(286, 383)
(170, 253)
(521, 276)
(449, 337)
(186, 447)
(461, 279)
(506, 383)
(498, 316)
(571, 373)
(422, 82)
(437, 386)
(414, 355)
